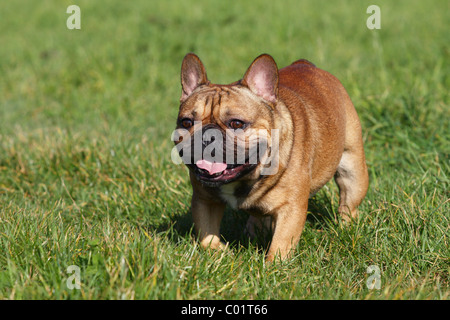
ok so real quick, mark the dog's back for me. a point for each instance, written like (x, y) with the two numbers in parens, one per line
(316, 99)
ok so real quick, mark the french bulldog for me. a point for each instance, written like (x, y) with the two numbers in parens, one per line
(265, 144)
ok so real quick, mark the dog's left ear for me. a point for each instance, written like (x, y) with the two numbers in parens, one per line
(193, 74)
(262, 78)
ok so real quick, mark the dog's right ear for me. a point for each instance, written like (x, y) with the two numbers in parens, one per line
(193, 74)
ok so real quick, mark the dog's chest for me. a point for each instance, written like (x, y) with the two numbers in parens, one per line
(234, 193)
(227, 194)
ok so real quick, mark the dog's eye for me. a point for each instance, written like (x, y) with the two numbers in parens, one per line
(237, 124)
(186, 123)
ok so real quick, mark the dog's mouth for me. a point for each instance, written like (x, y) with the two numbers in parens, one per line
(215, 174)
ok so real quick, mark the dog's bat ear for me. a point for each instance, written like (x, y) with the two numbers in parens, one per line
(262, 78)
(193, 74)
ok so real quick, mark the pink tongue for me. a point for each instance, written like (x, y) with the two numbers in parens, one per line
(211, 167)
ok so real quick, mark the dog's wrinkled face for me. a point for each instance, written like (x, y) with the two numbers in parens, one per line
(225, 130)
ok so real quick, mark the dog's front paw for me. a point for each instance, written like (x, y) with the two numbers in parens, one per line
(213, 242)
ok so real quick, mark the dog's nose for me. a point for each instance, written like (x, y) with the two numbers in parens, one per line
(207, 140)
(212, 143)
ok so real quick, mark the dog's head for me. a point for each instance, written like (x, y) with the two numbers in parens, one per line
(225, 132)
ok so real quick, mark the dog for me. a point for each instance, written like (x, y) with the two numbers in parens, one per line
(311, 134)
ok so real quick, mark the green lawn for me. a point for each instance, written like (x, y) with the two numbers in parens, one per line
(86, 177)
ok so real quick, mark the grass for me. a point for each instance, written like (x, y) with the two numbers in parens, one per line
(85, 171)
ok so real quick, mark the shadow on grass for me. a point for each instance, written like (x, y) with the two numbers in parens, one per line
(321, 212)
(320, 215)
